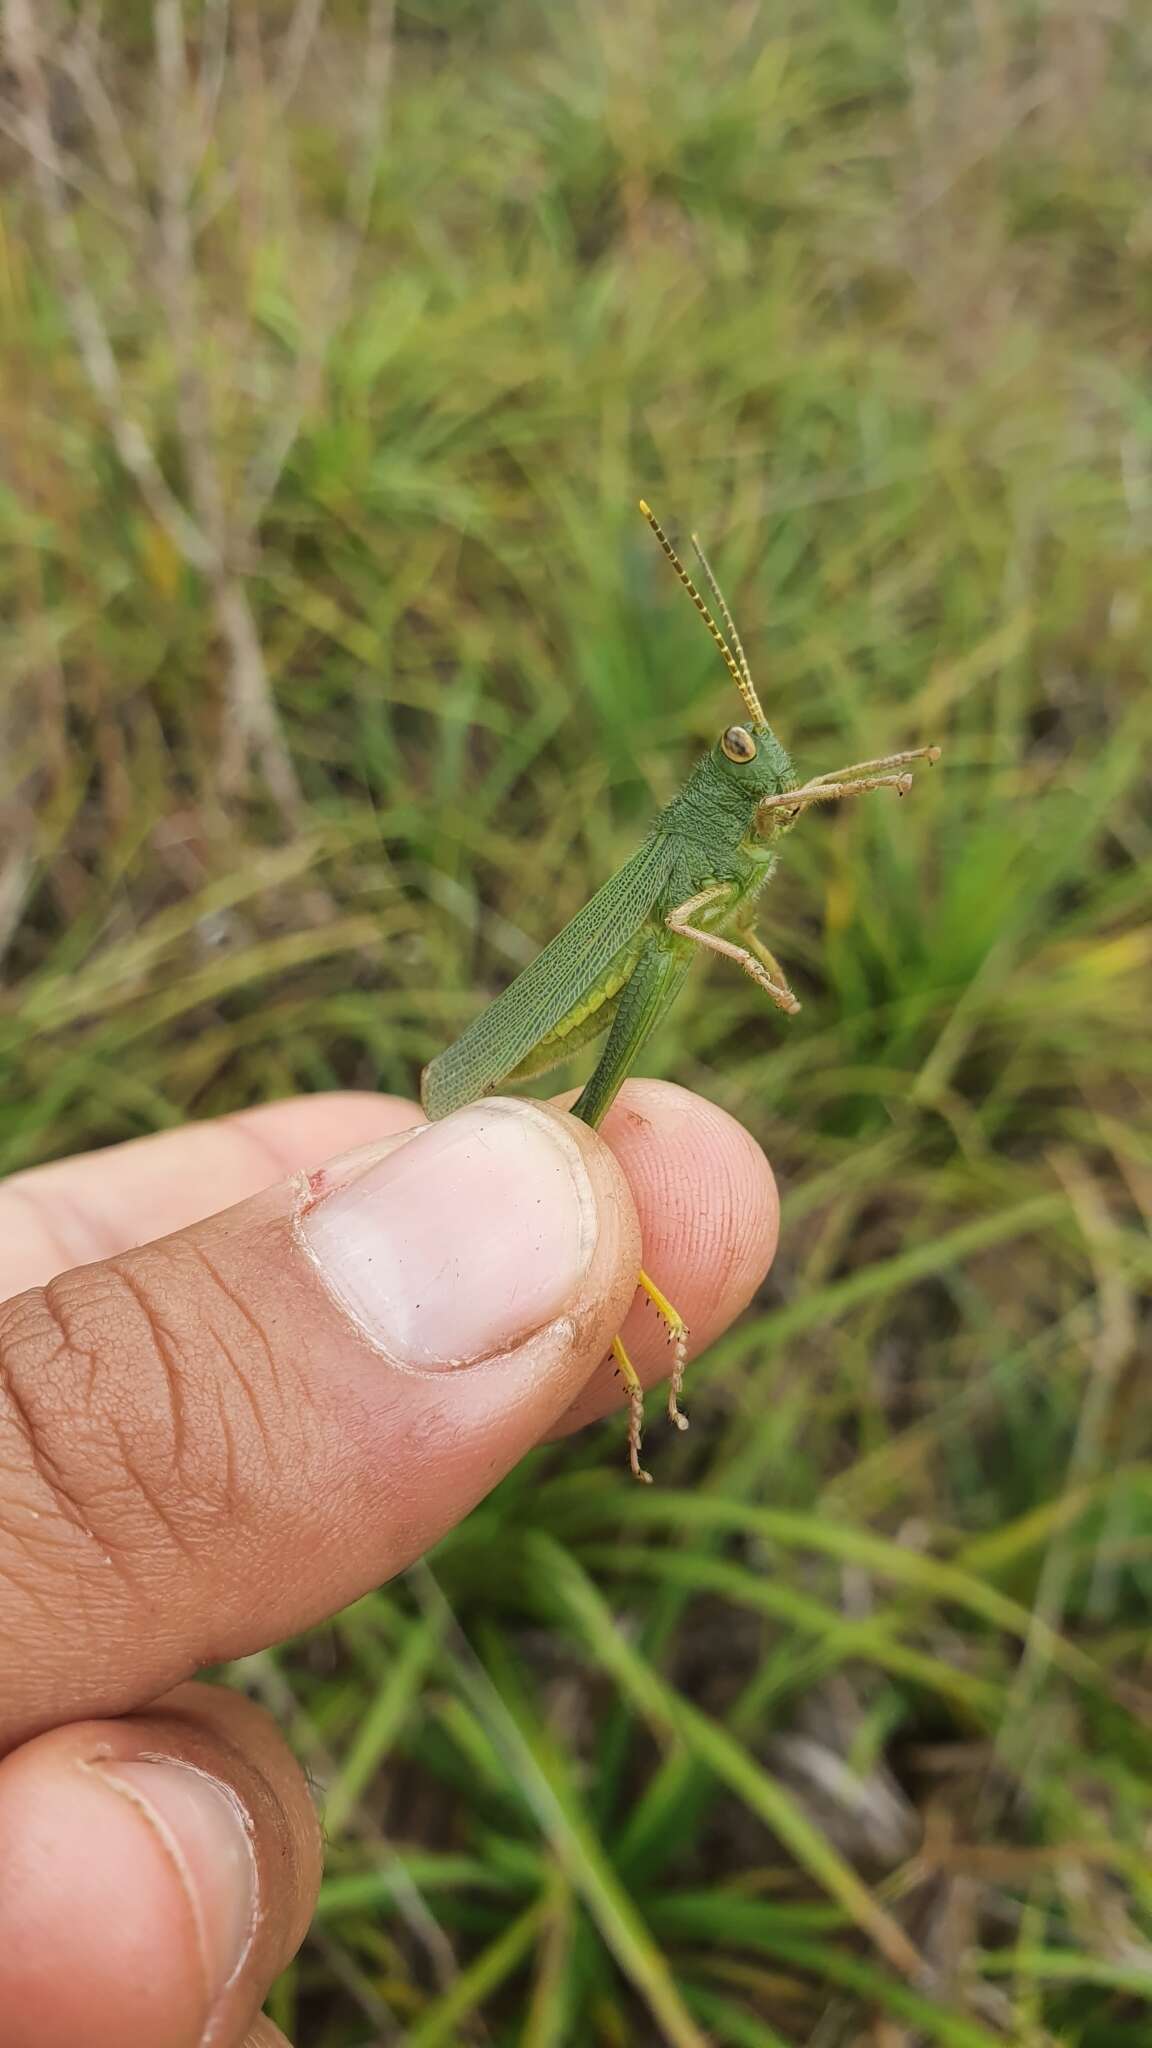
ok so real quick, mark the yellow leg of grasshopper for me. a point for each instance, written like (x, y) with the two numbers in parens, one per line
(678, 1338)
(656, 975)
(631, 1379)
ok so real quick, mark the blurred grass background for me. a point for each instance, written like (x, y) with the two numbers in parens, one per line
(323, 711)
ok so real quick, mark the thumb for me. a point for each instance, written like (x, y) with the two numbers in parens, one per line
(214, 1440)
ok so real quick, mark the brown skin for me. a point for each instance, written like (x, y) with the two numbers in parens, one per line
(200, 1454)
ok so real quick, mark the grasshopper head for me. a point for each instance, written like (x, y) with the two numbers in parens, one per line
(752, 760)
(749, 757)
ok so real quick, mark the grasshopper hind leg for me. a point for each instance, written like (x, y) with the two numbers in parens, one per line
(678, 1338)
(631, 1379)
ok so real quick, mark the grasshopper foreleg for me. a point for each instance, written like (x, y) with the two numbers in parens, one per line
(754, 957)
(855, 780)
(882, 763)
(797, 800)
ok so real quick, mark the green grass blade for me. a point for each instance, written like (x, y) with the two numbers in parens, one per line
(875, 1639)
(724, 1756)
(377, 1731)
(439, 2025)
(930, 1576)
(547, 1787)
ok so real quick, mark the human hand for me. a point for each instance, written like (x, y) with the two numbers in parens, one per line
(226, 1411)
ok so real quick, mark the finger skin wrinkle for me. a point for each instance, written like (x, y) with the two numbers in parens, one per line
(166, 1355)
(232, 1490)
(66, 1228)
(17, 1416)
(259, 1348)
(136, 1395)
(27, 1566)
(217, 1363)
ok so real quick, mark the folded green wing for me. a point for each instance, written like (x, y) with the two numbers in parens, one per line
(555, 983)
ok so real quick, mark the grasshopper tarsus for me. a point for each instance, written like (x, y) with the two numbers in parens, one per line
(635, 1438)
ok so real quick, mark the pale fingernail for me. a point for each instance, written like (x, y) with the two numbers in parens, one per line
(462, 1241)
(204, 1832)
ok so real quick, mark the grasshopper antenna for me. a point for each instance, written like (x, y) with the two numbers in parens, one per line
(725, 614)
(738, 670)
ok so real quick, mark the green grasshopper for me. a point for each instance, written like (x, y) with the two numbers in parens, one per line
(620, 963)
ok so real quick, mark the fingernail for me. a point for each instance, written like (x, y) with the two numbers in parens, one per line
(462, 1241)
(203, 1828)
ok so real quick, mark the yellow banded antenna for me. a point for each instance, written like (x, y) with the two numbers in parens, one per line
(737, 669)
(729, 621)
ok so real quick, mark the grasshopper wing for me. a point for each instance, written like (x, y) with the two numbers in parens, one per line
(555, 983)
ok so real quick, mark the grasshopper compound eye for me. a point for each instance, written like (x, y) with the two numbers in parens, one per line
(738, 744)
